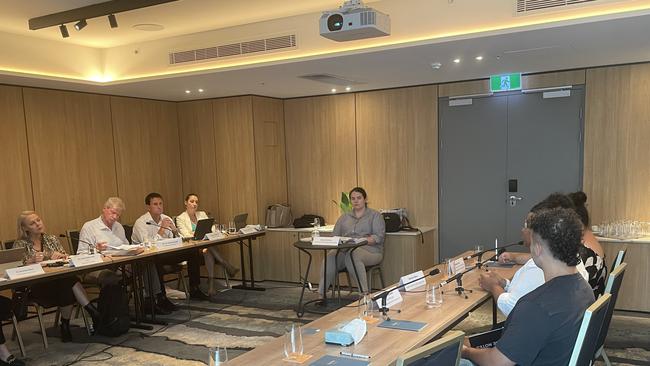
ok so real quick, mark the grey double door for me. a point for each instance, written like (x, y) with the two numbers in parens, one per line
(499, 156)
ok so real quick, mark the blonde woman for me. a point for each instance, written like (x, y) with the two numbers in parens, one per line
(186, 223)
(63, 291)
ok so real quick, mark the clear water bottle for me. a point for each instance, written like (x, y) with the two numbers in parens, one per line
(316, 231)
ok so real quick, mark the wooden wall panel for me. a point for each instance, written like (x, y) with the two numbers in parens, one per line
(198, 153)
(397, 149)
(16, 185)
(616, 153)
(71, 155)
(235, 151)
(321, 153)
(271, 163)
(147, 154)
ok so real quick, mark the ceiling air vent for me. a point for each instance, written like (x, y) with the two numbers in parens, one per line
(525, 6)
(332, 79)
(234, 49)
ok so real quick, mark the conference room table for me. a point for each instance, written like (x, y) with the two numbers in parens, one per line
(147, 256)
(385, 345)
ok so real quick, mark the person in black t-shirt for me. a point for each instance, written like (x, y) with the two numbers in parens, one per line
(543, 326)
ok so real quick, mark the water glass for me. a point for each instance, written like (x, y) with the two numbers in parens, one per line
(433, 296)
(231, 227)
(218, 356)
(449, 268)
(478, 249)
(293, 341)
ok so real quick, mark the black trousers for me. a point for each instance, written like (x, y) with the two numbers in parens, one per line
(5, 313)
(193, 266)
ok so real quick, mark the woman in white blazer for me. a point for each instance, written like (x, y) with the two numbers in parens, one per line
(186, 223)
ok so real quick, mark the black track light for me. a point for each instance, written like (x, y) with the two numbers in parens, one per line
(112, 21)
(80, 24)
(64, 31)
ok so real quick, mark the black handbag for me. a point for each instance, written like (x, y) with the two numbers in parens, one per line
(19, 299)
(392, 221)
(307, 221)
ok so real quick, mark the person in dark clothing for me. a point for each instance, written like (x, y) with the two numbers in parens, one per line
(543, 326)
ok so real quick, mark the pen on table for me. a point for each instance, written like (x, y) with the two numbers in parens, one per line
(356, 355)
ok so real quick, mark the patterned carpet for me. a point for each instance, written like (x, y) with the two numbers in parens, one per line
(241, 320)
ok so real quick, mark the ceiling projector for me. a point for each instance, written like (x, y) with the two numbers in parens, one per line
(354, 21)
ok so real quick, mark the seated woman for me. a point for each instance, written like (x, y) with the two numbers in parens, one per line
(591, 252)
(186, 223)
(61, 292)
(6, 358)
(361, 222)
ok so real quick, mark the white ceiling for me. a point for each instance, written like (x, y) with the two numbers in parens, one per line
(595, 43)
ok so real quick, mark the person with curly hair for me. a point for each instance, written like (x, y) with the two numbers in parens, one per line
(543, 326)
(506, 293)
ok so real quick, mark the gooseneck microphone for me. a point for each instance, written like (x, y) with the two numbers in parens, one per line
(384, 293)
(166, 228)
(480, 254)
(92, 245)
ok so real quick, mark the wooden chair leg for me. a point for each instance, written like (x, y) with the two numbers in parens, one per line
(57, 317)
(89, 329)
(186, 287)
(39, 313)
(225, 275)
(17, 335)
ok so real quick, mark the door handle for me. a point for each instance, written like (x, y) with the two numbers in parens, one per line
(512, 200)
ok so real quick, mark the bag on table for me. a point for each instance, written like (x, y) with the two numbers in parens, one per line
(278, 215)
(307, 221)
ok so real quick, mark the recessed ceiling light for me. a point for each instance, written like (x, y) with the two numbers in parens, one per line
(187, 91)
(456, 60)
(479, 58)
(148, 27)
(436, 65)
(348, 88)
(333, 90)
(200, 90)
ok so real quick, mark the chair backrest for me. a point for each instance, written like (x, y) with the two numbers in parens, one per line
(128, 231)
(8, 244)
(620, 257)
(11, 258)
(444, 351)
(73, 240)
(585, 347)
(613, 286)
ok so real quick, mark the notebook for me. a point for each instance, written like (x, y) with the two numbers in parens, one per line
(402, 325)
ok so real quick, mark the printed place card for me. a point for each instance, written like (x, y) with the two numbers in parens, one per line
(457, 266)
(215, 236)
(393, 298)
(24, 271)
(81, 260)
(417, 278)
(326, 240)
(169, 243)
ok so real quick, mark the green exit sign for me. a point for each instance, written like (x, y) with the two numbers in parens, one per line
(505, 82)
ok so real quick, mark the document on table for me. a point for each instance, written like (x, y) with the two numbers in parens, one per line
(403, 325)
(339, 361)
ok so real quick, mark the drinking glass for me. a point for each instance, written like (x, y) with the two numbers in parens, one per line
(293, 341)
(449, 268)
(433, 296)
(231, 227)
(218, 356)
(478, 249)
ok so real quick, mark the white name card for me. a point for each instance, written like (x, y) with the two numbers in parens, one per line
(419, 276)
(326, 240)
(248, 230)
(214, 236)
(85, 259)
(393, 298)
(25, 271)
(457, 266)
(169, 243)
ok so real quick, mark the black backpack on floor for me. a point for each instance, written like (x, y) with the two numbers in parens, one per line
(114, 311)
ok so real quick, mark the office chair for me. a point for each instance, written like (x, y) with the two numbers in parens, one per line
(592, 322)
(445, 351)
(614, 282)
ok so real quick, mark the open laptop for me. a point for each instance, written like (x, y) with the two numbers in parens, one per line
(11, 258)
(240, 221)
(203, 227)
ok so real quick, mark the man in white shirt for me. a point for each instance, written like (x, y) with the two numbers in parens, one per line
(530, 276)
(154, 225)
(100, 233)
